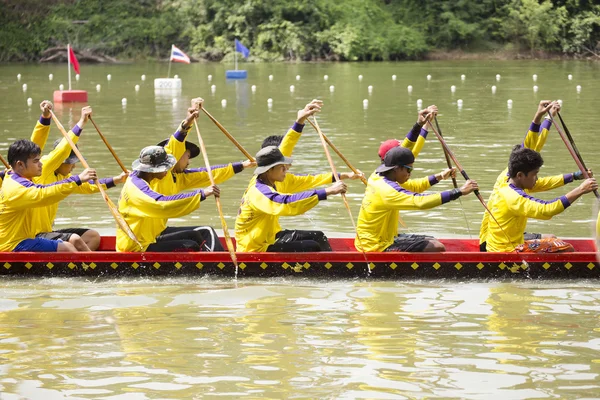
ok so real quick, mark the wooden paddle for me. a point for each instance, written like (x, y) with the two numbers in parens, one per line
(4, 162)
(335, 175)
(449, 163)
(111, 206)
(570, 143)
(112, 151)
(339, 153)
(228, 240)
(229, 135)
(464, 174)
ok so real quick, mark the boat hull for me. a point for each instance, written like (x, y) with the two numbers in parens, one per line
(462, 261)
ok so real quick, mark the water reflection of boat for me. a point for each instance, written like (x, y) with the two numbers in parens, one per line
(462, 260)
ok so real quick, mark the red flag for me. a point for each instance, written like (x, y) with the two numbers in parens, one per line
(73, 60)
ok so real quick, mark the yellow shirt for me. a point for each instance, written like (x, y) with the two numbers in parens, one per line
(534, 140)
(257, 222)
(20, 198)
(378, 218)
(145, 210)
(511, 209)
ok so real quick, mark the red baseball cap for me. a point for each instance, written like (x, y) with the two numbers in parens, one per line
(387, 146)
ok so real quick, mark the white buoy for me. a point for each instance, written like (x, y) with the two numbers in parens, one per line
(365, 104)
(292, 88)
(174, 102)
(459, 103)
(409, 88)
(143, 78)
(29, 101)
(325, 77)
(98, 87)
(61, 87)
(394, 77)
(463, 77)
(494, 89)
(534, 76)
(209, 78)
(137, 88)
(24, 87)
(223, 103)
(124, 101)
(332, 88)
(253, 88)
(269, 101)
(498, 77)
(509, 103)
(50, 77)
(270, 77)
(453, 88)
(560, 102)
(535, 88)
(370, 89)
(175, 76)
(213, 89)
(19, 77)
(108, 77)
(360, 78)
(297, 77)
(578, 88)
(570, 77)
(419, 103)
(77, 77)
(428, 77)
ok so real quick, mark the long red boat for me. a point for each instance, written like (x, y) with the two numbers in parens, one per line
(461, 260)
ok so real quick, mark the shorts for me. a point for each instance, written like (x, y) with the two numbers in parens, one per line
(410, 243)
(531, 236)
(62, 234)
(38, 245)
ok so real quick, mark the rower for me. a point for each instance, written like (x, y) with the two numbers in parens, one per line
(534, 139)
(377, 228)
(181, 178)
(145, 210)
(273, 193)
(20, 198)
(58, 165)
(513, 206)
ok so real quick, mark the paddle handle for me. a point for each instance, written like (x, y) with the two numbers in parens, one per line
(448, 161)
(112, 151)
(229, 135)
(339, 153)
(4, 162)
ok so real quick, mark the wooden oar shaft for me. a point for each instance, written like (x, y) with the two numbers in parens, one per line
(339, 153)
(448, 161)
(4, 162)
(115, 213)
(575, 154)
(228, 240)
(112, 151)
(229, 135)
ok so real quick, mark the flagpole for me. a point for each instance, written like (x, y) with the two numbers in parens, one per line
(235, 54)
(69, 62)
(170, 56)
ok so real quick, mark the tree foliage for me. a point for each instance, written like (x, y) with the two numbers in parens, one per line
(278, 30)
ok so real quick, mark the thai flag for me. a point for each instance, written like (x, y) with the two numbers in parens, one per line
(178, 55)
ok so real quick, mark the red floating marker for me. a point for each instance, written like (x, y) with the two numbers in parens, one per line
(70, 96)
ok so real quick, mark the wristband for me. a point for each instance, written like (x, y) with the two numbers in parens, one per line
(455, 194)
(577, 176)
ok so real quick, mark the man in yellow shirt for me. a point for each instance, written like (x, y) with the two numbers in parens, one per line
(145, 209)
(377, 225)
(534, 139)
(20, 198)
(58, 165)
(513, 206)
(273, 193)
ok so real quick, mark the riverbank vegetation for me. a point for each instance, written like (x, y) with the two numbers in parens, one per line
(279, 30)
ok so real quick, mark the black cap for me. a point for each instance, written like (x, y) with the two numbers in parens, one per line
(269, 157)
(193, 148)
(396, 157)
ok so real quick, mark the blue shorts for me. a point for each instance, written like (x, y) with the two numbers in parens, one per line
(38, 245)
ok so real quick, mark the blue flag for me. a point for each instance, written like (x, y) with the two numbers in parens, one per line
(242, 49)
